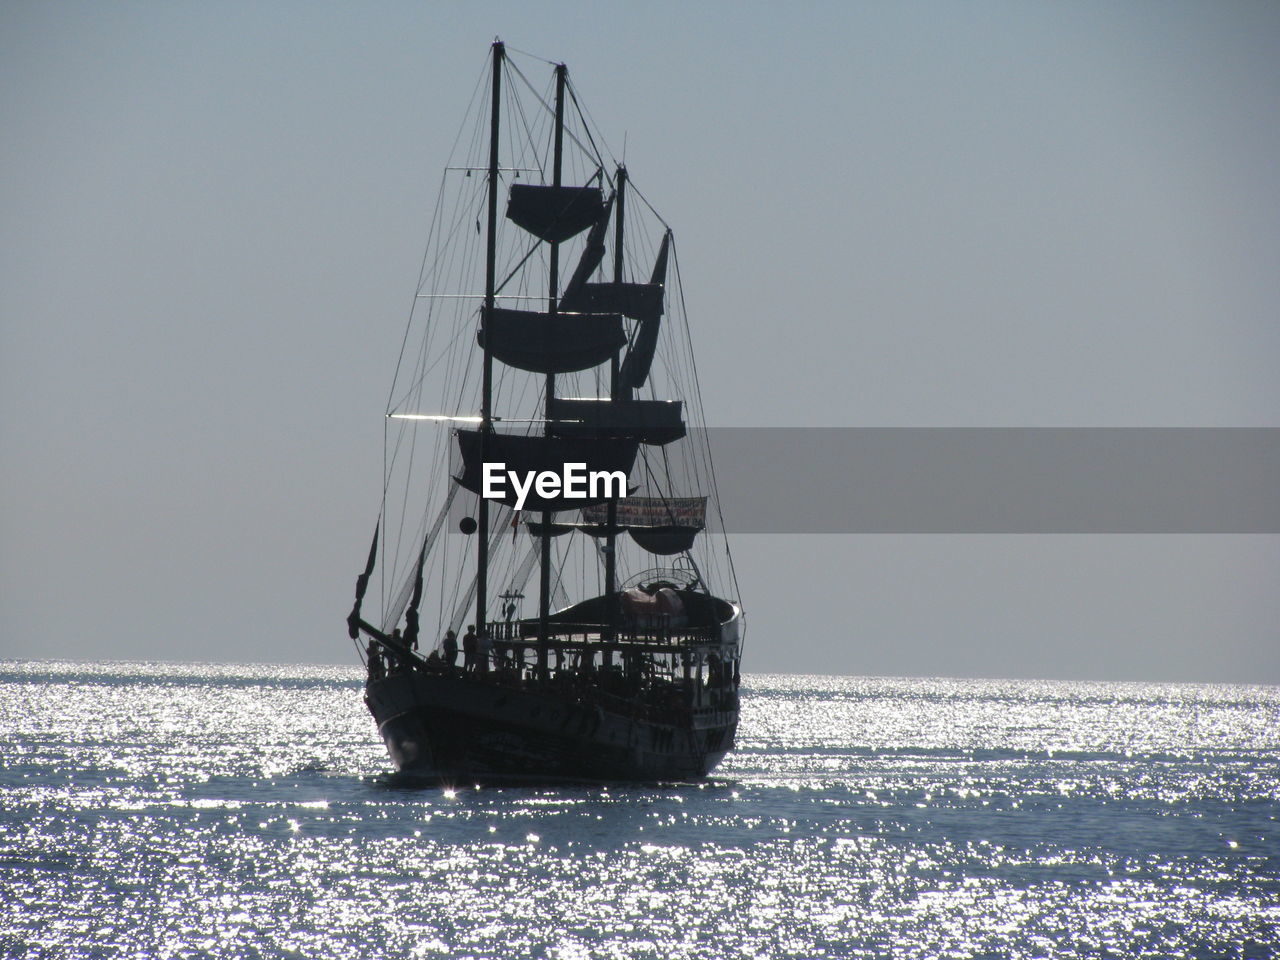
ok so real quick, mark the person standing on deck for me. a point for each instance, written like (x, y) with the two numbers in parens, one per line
(449, 647)
(374, 655)
(469, 643)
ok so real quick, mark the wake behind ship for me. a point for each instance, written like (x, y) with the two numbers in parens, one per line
(540, 379)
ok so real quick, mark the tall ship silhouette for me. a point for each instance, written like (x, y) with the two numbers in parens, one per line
(548, 499)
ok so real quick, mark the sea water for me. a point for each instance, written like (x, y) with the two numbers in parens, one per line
(194, 810)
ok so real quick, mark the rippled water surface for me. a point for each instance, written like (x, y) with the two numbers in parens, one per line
(170, 810)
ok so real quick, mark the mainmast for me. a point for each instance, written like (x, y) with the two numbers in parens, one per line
(490, 280)
(553, 299)
(611, 518)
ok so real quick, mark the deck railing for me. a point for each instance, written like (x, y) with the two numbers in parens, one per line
(593, 634)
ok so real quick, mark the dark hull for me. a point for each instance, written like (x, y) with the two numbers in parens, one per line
(464, 729)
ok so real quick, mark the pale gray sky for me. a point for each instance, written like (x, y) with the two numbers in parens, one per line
(933, 214)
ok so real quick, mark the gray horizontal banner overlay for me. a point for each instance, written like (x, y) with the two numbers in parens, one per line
(998, 480)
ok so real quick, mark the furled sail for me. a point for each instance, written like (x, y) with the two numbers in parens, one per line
(639, 301)
(554, 214)
(664, 541)
(635, 367)
(661, 525)
(362, 584)
(532, 455)
(551, 342)
(558, 528)
(392, 613)
(411, 615)
(654, 422)
(592, 255)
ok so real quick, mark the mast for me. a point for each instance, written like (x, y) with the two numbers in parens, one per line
(553, 297)
(617, 265)
(486, 397)
(611, 521)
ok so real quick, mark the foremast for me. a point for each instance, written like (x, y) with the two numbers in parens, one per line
(490, 293)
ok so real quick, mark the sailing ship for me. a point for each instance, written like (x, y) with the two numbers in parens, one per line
(628, 667)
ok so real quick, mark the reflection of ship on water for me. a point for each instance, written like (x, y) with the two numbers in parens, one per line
(638, 680)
